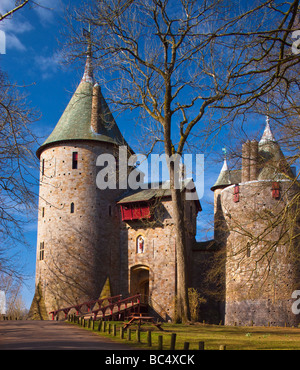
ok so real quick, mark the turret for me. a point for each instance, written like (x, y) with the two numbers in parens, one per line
(257, 221)
(77, 246)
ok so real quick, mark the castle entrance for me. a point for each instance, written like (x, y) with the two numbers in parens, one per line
(139, 281)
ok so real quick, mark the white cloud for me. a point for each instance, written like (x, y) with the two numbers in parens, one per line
(13, 25)
(12, 42)
(48, 65)
(48, 9)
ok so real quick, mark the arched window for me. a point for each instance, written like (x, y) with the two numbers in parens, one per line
(72, 208)
(140, 244)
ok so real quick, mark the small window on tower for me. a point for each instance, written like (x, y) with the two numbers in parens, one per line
(43, 211)
(43, 166)
(72, 208)
(248, 250)
(74, 160)
(42, 247)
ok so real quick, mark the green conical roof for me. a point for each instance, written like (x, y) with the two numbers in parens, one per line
(227, 177)
(75, 122)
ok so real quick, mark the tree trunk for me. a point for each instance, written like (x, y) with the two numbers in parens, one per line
(183, 311)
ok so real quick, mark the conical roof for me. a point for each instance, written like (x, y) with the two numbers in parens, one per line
(227, 177)
(267, 135)
(273, 163)
(75, 122)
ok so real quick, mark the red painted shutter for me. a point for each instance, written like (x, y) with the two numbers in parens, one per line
(236, 193)
(275, 190)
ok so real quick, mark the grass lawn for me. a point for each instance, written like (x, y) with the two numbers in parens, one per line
(234, 337)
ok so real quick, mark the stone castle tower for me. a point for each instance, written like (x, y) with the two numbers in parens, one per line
(256, 223)
(77, 243)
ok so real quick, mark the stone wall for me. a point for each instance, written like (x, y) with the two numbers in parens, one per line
(159, 256)
(81, 249)
(262, 258)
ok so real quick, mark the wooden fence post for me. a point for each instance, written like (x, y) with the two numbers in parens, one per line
(160, 342)
(186, 346)
(173, 341)
(149, 340)
(201, 346)
(100, 325)
(138, 335)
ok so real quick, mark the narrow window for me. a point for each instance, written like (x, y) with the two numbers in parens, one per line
(72, 208)
(42, 247)
(74, 160)
(109, 210)
(43, 211)
(43, 166)
(248, 250)
(236, 193)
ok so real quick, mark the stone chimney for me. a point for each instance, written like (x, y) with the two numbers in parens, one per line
(246, 161)
(253, 160)
(95, 109)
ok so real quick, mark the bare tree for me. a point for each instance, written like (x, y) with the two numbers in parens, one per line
(18, 5)
(185, 64)
(17, 162)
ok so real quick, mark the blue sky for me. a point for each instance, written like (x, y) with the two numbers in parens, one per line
(33, 60)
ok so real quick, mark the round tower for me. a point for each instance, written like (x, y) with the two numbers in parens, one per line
(77, 242)
(262, 252)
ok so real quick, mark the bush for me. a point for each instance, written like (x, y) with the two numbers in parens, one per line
(195, 300)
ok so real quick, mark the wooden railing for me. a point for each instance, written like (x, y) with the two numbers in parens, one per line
(88, 305)
(115, 308)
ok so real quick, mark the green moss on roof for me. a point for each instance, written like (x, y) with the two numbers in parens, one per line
(227, 178)
(75, 122)
(274, 164)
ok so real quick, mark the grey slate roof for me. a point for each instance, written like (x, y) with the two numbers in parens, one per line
(142, 195)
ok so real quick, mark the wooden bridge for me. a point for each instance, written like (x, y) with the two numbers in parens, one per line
(108, 308)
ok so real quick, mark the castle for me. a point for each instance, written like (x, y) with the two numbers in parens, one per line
(121, 241)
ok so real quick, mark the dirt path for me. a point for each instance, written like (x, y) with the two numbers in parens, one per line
(52, 335)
